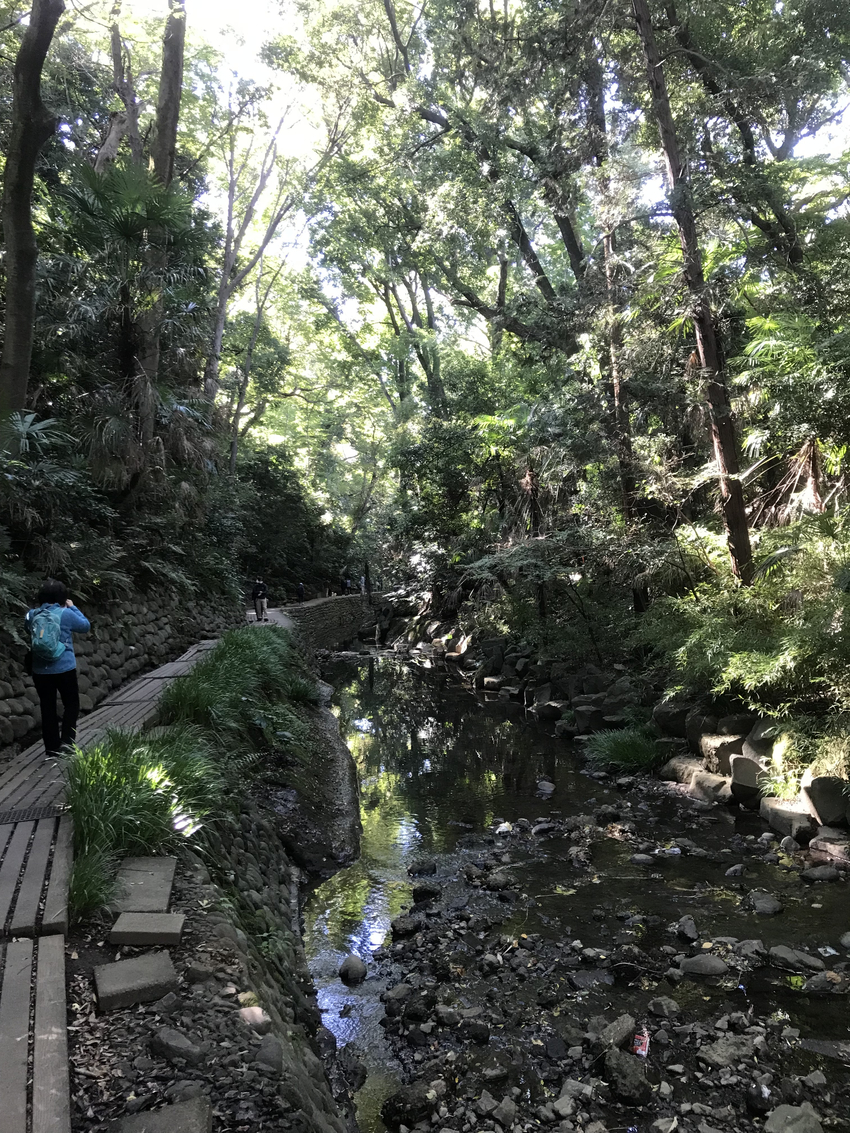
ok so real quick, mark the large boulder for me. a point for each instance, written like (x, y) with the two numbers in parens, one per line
(626, 1075)
(760, 739)
(698, 724)
(718, 749)
(749, 776)
(824, 797)
(671, 717)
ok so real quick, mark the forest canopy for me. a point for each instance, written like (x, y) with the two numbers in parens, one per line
(538, 306)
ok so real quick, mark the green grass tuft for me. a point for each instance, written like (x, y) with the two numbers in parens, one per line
(130, 794)
(92, 884)
(635, 748)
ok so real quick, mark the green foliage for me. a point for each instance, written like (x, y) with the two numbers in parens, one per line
(634, 748)
(229, 691)
(131, 794)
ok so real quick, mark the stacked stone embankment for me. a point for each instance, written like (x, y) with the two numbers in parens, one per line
(328, 622)
(126, 639)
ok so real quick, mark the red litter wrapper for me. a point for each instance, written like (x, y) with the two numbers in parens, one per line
(640, 1045)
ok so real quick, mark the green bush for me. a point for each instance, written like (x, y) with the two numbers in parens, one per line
(634, 748)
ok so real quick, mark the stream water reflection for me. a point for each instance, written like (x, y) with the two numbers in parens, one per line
(436, 765)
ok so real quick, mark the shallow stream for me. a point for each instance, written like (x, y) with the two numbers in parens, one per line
(438, 767)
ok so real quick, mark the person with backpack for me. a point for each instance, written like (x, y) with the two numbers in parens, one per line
(54, 666)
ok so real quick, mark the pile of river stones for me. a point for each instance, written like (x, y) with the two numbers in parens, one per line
(498, 1029)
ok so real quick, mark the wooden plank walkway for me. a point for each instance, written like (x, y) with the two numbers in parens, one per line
(36, 851)
(35, 860)
(32, 1019)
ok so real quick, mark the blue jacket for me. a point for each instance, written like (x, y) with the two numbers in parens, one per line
(72, 622)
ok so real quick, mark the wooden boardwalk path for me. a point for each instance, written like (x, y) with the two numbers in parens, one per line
(36, 850)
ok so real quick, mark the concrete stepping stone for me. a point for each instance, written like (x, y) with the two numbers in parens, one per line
(141, 929)
(144, 885)
(143, 979)
(194, 1116)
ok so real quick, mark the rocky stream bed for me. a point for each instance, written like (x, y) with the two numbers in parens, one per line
(546, 947)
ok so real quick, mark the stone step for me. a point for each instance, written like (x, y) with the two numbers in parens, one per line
(144, 885)
(141, 929)
(143, 979)
(194, 1116)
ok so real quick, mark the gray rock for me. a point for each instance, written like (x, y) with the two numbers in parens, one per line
(270, 1054)
(406, 926)
(728, 1050)
(789, 845)
(710, 788)
(426, 891)
(193, 1116)
(820, 873)
(642, 859)
(626, 1076)
(671, 718)
(704, 965)
(824, 797)
(845, 940)
(411, 1104)
(793, 1119)
(171, 1044)
(717, 752)
(618, 1033)
(505, 1112)
(352, 970)
(486, 1104)
(664, 1007)
(763, 903)
(794, 960)
(687, 929)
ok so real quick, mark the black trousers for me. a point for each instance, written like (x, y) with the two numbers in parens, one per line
(47, 685)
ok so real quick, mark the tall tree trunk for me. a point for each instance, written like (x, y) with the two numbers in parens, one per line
(31, 126)
(617, 381)
(163, 149)
(708, 346)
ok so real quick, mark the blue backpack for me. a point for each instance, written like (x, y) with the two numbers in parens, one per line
(45, 626)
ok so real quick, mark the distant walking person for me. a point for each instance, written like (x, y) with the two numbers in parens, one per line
(54, 666)
(260, 598)
(300, 591)
(362, 583)
(348, 586)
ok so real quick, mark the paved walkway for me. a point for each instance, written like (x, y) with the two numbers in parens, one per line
(36, 845)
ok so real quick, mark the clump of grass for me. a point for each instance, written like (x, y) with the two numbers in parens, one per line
(245, 671)
(130, 794)
(634, 748)
(92, 884)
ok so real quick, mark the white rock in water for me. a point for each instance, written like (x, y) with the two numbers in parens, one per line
(504, 829)
(546, 786)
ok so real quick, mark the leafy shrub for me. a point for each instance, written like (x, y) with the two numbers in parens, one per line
(634, 748)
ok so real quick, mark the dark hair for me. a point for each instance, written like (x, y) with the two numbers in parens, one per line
(52, 590)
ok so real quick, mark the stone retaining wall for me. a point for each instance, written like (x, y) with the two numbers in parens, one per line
(328, 622)
(125, 639)
(258, 917)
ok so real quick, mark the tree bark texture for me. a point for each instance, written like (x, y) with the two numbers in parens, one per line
(708, 348)
(163, 148)
(31, 126)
